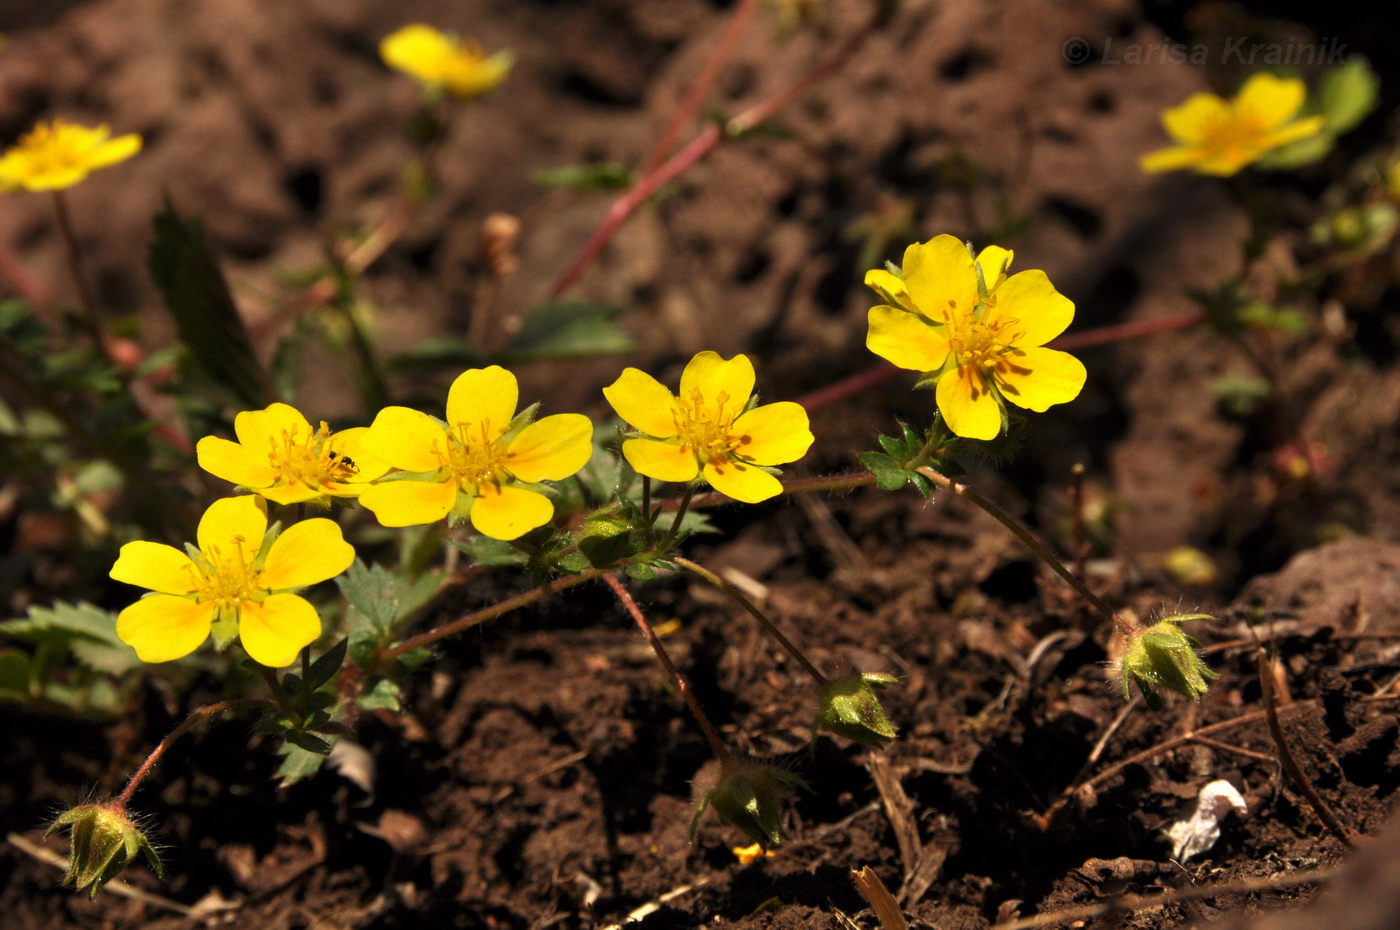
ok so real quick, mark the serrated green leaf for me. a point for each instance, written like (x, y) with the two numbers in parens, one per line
(372, 593)
(642, 571)
(569, 329)
(573, 563)
(297, 763)
(483, 550)
(89, 633)
(198, 298)
(385, 695)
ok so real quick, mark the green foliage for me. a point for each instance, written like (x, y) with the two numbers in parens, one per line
(903, 454)
(1240, 395)
(1164, 656)
(80, 632)
(1346, 95)
(568, 329)
(851, 708)
(602, 176)
(746, 798)
(206, 318)
(103, 840)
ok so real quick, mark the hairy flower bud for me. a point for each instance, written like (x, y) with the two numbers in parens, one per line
(1164, 656)
(746, 798)
(104, 840)
(850, 708)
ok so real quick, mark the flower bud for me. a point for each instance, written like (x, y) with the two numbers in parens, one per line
(851, 709)
(1164, 656)
(746, 798)
(104, 840)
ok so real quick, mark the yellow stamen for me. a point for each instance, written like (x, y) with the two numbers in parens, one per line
(310, 460)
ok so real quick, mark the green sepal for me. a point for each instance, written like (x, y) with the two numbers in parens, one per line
(1165, 656)
(103, 840)
(850, 708)
(746, 798)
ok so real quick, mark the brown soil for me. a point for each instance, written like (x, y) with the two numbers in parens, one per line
(542, 775)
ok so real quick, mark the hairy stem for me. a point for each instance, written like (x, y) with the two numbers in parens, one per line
(193, 720)
(625, 597)
(1031, 543)
(769, 627)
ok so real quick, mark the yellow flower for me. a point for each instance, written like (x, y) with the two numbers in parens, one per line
(230, 589)
(59, 154)
(474, 461)
(748, 855)
(443, 61)
(981, 351)
(1217, 136)
(706, 427)
(282, 457)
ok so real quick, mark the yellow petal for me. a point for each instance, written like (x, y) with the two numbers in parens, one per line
(155, 566)
(994, 262)
(234, 524)
(275, 630)
(162, 627)
(350, 444)
(260, 431)
(1041, 311)
(712, 376)
(417, 50)
(1292, 132)
(1172, 159)
(468, 75)
(1036, 378)
(308, 552)
(552, 448)
(119, 149)
(1270, 101)
(742, 482)
(1192, 122)
(510, 512)
(664, 461)
(906, 340)
(409, 503)
(406, 439)
(234, 462)
(483, 397)
(774, 434)
(643, 402)
(968, 405)
(1228, 162)
(889, 287)
(940, 279)
(294, 492)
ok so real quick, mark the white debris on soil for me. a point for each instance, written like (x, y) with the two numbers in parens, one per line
(1195, 836)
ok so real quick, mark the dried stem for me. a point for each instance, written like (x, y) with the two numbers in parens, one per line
(716, 745)
(738, 597)
(1321, 808)
(203, 713)
(1031, 543)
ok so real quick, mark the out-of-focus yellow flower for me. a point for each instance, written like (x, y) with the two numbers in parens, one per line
(476, 456)
(282, 457)
(1219, 137)
(748, 855)
(440, 60)
(706, 427)
(232, 588)
(980, 350)
(59, 154)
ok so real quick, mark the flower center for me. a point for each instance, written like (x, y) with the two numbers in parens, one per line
(310, 460)
(55, 145)
(227, 578)
(1236, 133)
(705, 428)
(975, 342)
(473, 458)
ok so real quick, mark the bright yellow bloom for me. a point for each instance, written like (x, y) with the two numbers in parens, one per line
(59, 154)
(981, 351)
(282, 457)
(229, 589)
(441, 60)
(748, 855)
(1217, 136)
(476, 462)
(706, 427)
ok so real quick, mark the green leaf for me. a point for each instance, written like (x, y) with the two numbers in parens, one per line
(373, 595)
(1348, 94)
(603, 176)
(297, 763)
(324, 668)
(88, 632)
(14, 675)
(206, 318)
(889, 476)
(385, 695)
(483, 550)
(308, 741)
(641, 571)
(568, 329)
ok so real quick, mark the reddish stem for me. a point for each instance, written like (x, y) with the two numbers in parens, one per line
(723, 51)
(709, 137)
(716, 745)
(24, 283)
(191, 721)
